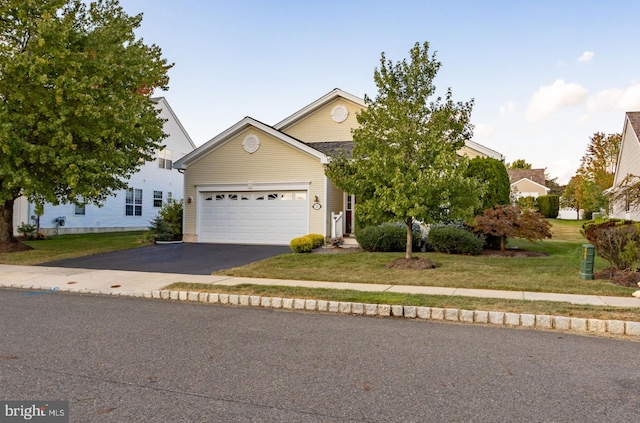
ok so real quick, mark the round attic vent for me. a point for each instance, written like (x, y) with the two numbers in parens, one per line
(251, 143)
(339, 113)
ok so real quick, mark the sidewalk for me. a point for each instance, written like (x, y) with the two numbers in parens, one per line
(138, 282)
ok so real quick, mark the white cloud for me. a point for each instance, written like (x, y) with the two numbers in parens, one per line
(483, 130)
(550, 98)
(587, 56)
(508, 109)
(617, 99)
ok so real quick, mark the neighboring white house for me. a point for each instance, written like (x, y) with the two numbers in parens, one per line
(156, 183)
(527, 183)
(628, 165)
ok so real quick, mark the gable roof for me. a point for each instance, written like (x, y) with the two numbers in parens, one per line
(164, 104)
(634, 120)
(325, 99)
(534, 175)
(484, 150)
(245, 123)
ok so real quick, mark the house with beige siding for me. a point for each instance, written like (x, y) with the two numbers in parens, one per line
(628, 165)
(527, 183)
(260, 184)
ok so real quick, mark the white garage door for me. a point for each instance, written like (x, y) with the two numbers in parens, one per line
(265, 217)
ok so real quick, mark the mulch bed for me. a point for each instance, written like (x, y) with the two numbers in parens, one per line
(14, 247)
(414, 263)
(619, 277)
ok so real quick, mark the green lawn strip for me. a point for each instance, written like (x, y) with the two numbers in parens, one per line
(68, 246)
(558, 272)
(442, 301)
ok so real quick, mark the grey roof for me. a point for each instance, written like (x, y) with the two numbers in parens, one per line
(333, 147)
(634, 118)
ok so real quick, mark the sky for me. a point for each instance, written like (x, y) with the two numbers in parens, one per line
(544, 75)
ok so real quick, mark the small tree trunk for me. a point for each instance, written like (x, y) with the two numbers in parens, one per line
(502, 243)
(409, 249)
(6, 222)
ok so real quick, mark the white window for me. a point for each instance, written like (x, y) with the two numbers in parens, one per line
(169, 197)
(165, 159)
(157, 198)
(133, 202)
(79, 210)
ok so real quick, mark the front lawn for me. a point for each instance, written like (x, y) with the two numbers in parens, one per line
(558, 272)
(60, 247)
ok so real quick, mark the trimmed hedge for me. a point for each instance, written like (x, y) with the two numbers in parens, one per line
(317, 239)
(454, 240)
(549, 205)
(303, 244)
(387, 237)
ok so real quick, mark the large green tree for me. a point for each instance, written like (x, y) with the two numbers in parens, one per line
(492, 173)
(404, 164)
(519, 164)
(76, 117)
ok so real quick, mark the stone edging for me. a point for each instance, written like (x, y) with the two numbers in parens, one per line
(498, 318)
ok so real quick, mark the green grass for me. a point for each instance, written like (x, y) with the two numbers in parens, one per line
(68, 246)
(558, 272)
(442, 301)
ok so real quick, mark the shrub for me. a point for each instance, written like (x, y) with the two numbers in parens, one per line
(527, 203)
(493, 173)
(386, 238)
(511, 221)
(171, 212)
(317, 239)
(549, 205)
(28, 231)
(616, 241)
(160, 229)
(303, 244)
(454, 240)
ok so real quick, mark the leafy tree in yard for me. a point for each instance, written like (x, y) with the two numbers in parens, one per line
(519, 164)
(75, 86)
(494, 174)
(511, 221)
(404, 164)
(574, 195)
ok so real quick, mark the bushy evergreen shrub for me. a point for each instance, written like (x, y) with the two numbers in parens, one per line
(454, 240)
(386, 238)
(317, 239)
(303, 244)
(549, 205)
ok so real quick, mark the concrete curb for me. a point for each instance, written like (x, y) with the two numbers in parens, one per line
(492, 318)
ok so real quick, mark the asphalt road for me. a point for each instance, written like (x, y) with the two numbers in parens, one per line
(187, 258)
(137, 360)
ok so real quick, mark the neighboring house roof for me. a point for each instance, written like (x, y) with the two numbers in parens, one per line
(245, 123)
(332, 147)
(484, 150)
(306, 111)
(634, 119)
(165, 105)
(513, 184)
(534, 175)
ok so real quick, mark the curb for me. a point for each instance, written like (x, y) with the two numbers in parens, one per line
(497, 318)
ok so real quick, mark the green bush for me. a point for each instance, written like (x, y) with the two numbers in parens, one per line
(317, 239)
(493, 173)
(386, 238)
(171, 212)
(616, 241)
(530, 203)
(303, 244)
(549, 205)
(454, 240)
(160, 229)
(28, 231)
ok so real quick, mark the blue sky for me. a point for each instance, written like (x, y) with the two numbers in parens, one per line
(545, 75)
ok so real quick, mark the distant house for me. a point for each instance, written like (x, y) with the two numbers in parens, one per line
(527, 183)
(260, 184)
(154, 184)
(628, 164)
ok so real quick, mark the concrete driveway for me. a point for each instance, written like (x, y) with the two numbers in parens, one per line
(187, 258)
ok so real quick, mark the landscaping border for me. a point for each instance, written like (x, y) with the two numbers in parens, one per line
(497, 318)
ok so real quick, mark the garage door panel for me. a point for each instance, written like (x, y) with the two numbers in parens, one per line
(267, 217)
